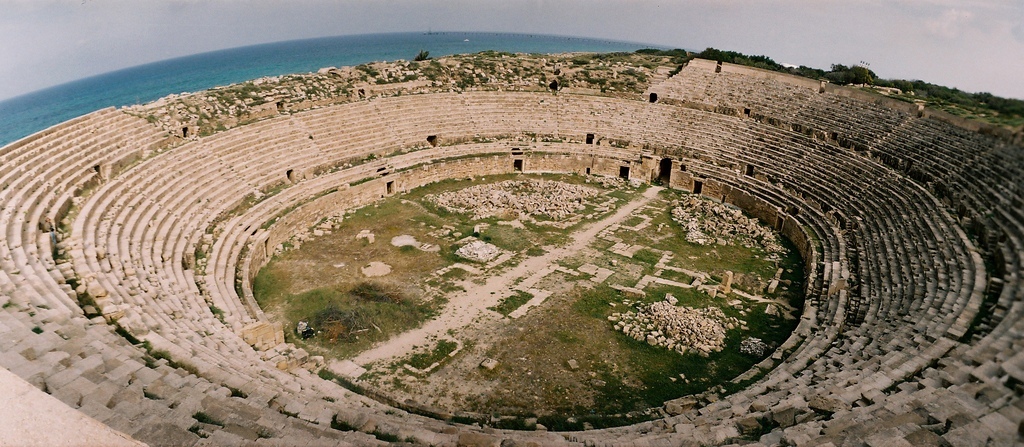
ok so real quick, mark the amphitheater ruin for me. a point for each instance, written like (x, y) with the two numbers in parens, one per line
(131, 237)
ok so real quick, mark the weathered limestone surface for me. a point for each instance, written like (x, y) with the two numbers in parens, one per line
(30, 417)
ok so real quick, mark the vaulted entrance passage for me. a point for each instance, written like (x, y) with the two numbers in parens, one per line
(624, 172)
(517, 165)
(665, 171)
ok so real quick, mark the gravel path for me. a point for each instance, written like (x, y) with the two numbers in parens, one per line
(470, 307)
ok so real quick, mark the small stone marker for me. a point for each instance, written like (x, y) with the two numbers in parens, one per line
(726, 286)
(478, 251)
(671, 299)
(366, 234)
(573, 364)
(489, 364)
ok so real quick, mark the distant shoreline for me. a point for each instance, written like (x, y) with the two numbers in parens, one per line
(29, 113)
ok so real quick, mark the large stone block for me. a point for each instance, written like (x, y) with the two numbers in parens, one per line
(263, 335)
(468, 439)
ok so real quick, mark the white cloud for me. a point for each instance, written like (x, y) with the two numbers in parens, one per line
(950, 24)
(45, 42)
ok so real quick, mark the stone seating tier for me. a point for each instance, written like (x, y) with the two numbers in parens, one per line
(866, 199)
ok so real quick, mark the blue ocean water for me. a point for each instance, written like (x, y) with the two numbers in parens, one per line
(30, 113)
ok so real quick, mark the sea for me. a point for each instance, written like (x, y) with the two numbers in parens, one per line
(26, 114)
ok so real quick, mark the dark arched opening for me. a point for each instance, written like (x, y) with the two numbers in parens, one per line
(665, 171)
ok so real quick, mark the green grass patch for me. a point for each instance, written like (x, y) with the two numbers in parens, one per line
(646, 256)
(535, 251)
(632, 221)
(511, 303)
(440, 352)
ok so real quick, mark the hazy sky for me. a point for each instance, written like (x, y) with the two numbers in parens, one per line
(975, 45)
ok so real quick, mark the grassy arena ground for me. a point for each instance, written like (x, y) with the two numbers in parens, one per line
(615, 374)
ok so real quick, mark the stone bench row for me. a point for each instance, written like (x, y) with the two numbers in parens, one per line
(773, 154)
(161, 231)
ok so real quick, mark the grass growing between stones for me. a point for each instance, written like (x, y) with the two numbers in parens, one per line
(617, 378)
(511, 303)
(319, 282)
(424, 360)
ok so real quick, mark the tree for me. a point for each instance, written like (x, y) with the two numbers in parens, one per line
(422, 56)
(861, 75)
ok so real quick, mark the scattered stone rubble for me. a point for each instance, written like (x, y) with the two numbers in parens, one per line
(678, 329)
(707, 222)
(555, 200)
(753, 346)
(327, 226)
(478, 251)
(221, 108)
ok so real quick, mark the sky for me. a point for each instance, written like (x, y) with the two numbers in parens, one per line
(974, 45)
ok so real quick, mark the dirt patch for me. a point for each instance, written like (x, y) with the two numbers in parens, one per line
(403, 240)
(375, 268)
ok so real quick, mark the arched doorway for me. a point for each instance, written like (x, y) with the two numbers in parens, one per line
(665, 171)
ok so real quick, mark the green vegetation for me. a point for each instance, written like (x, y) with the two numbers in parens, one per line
(983, 106)
(511, 303)
(422, 56)
(424, 360)
(198, 431)
(349, 313)
(647, 257)
(355, 317)
(613, 379)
